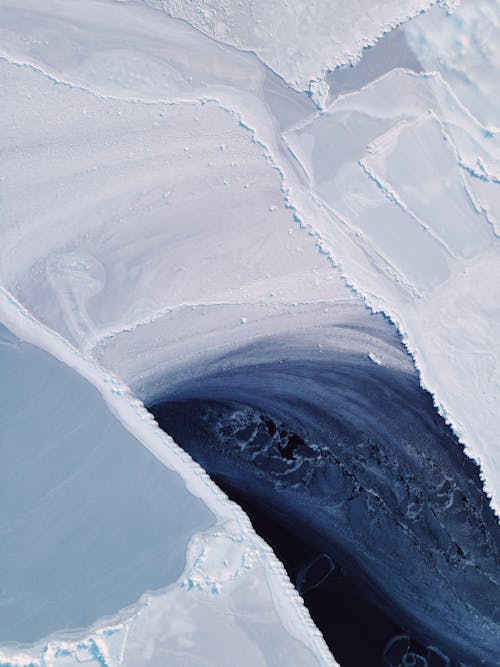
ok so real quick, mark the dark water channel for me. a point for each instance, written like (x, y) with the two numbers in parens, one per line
(255, 458)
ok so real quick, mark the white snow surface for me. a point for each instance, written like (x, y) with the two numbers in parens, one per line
(159, 183)
(301, 40)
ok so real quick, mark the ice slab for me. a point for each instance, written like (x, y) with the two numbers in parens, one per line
(90, 520)
(299, 40)
(447, 208)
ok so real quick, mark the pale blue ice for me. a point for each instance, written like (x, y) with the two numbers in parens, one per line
(89, 519)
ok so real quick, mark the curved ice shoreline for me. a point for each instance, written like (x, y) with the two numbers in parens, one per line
(235, 85)
(71, 281)
(216, 561)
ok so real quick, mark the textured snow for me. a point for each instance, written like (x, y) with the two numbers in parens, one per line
(167, 197)
(465, 49)
(299, 40)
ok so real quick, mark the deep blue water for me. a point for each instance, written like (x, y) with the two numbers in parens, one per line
(347, 464)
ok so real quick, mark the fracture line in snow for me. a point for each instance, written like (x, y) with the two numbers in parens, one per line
(481, 172)
(98, 339)
(375, 256)
(390, 192)
(394, 198)
(431, 75)
(316, 86)
(482, 175)
(149, 101)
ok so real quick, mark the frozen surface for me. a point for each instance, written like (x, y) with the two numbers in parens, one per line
(170, 198)
(299, 40)
(90, 520)
(237, 626)
(404, 218)
(390, 52)
(140, 183)
(464, 47)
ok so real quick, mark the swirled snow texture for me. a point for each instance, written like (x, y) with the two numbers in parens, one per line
(147, 128)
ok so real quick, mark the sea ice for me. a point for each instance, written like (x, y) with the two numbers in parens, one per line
(165, 180)
(88, 515)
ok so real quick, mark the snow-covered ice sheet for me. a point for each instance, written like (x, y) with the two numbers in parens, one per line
(464, 47)
(126, 188)
(164, 190)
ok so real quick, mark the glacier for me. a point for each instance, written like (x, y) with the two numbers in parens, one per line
(254, 212)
